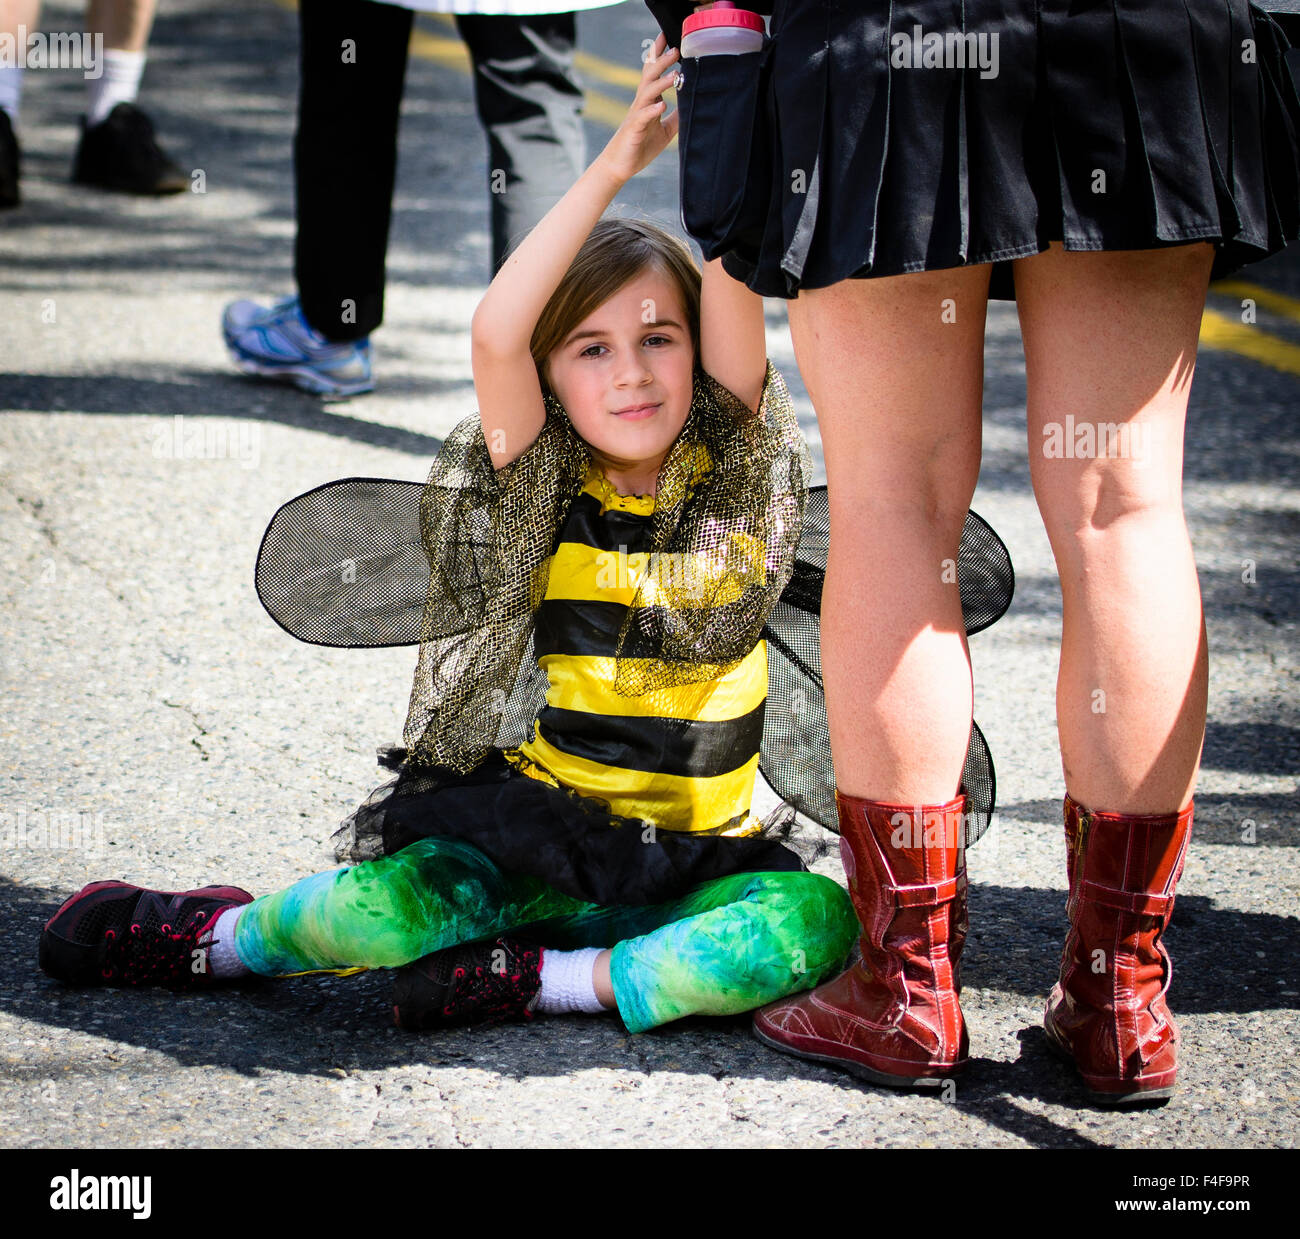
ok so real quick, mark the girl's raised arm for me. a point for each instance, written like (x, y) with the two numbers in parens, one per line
(733, 340)
(506, 385)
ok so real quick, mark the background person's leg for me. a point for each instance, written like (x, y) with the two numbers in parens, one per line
(353, 67)
(125, 24)
(530, 104)
(13, 14)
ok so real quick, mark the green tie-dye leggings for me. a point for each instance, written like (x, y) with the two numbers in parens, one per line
(724, 947)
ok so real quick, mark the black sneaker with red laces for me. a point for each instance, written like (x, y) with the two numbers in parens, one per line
(121, 153)
(478, 983)
(110, 933)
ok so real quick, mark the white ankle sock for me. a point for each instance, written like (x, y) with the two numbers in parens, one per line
(119, 83)
(223, 959)
(11, 91)
(568, 983)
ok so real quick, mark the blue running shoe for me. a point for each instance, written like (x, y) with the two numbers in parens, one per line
(278, 343)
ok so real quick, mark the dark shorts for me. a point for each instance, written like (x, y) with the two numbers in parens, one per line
(880, 139)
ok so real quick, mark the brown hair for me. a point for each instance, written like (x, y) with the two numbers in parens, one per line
(616, 251)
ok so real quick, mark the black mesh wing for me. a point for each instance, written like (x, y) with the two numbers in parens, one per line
(796, 753)
(344, 565)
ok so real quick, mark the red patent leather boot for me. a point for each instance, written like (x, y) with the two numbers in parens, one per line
(1108, 1012)
(893, 1017)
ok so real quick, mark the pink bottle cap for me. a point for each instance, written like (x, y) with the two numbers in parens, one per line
(722, 13)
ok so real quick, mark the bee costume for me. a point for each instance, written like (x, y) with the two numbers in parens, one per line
(599, 677)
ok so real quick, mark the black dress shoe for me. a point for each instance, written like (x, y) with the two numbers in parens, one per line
(120, 153)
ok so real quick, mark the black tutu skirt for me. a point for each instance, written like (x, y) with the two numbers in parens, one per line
(856, 144)
(572, 843)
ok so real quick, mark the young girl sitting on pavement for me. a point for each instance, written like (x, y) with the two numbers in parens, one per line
(623, 513)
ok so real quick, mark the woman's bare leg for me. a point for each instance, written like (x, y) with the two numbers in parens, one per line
(1110, 343)
(15, 13)
(895, 370)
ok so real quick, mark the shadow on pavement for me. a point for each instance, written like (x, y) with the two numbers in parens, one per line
(199, 393)
(1220, 819)
(1013, 948)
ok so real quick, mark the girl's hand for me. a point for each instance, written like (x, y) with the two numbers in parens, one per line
(648, 126)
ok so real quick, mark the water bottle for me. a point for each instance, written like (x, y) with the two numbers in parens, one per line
(723, 30)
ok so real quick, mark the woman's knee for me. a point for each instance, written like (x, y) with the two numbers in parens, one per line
(1095, 508)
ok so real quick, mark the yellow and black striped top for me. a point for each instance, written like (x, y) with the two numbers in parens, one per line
(682, 757)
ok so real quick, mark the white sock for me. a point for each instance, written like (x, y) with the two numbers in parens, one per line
(11, 91)
(223, 959)
(568, 983)
(119, 83)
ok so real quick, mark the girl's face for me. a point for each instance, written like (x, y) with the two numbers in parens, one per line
(624, 375)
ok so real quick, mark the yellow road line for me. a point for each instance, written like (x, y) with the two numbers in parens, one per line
(1264, 298)
(1221, 332)
(448, 52)
(608, 71)
(603, 108)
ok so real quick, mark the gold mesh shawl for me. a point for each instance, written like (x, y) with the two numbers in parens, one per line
(732, 481)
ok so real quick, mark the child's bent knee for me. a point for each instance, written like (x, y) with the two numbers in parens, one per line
(424, 869)
(399, 907)
(807, 918)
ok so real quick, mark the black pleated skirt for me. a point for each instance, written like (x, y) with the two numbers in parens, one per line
(875, 139)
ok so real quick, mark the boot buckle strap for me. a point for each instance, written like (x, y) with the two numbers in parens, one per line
(1140, 903)
(927, 895)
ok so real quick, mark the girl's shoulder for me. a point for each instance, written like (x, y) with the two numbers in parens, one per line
(769, 433)
(774, 397)
(463, 460)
